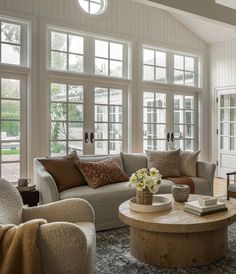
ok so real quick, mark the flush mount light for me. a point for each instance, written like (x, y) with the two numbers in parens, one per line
(93, 7)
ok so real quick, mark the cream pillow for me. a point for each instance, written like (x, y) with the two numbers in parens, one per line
(167, 162)
(188, 163)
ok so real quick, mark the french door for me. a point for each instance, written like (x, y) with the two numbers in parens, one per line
(170, 120)
(13, 121)
(226, 131)
(88, 117)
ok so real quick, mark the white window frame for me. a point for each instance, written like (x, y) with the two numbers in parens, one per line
(170, 53)
(89, 122)
(23, 121)
(89, 53)
(25, 47)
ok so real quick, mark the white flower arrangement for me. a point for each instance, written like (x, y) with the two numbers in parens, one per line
(144, 178)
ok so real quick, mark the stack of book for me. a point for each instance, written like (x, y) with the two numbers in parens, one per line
(204, 206)
(26, 188)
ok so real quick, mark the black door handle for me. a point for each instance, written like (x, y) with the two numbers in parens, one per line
(168, 137)
(86, 137)
(92, 137)
(172, 137)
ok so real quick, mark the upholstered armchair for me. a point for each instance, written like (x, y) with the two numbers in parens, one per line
(67, 242)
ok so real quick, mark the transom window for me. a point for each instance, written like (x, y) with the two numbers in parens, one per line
(184, 70)
(13, 43)
(171, 68)
(109, 58)
(154, 68)
(66, 118)
(93, 7)
(67, 52)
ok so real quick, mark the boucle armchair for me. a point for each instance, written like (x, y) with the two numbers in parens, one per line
(67, 242)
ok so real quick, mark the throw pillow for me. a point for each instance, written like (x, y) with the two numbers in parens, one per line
(64, 171)
(133, 162)
(188, 163)
(102, 173)
(167, 162)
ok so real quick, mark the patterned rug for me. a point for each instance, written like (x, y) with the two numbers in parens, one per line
(113, 257)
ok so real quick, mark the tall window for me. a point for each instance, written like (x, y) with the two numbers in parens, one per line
(67, 52)
(13, 43)
(184, 122)
(12, 102)
(154, 121)
(108, 120)
(66, 118)
(109, 59)
(154, 68)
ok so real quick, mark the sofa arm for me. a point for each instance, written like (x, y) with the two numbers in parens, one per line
(70, 210)
(206, 171)
(63, 248)
(45, 184)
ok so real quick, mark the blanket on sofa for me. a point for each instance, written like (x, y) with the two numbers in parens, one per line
(184, 181)
(19, 252)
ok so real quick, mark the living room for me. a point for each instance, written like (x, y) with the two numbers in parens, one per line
(103, 105)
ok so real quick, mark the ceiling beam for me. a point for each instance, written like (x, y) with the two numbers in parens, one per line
(205, 8)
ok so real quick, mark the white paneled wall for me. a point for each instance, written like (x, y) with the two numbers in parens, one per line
(223, 75)
(125, 19)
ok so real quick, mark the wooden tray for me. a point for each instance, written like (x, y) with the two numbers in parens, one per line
(160, 203)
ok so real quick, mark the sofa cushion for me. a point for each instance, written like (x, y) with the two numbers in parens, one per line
(102, 173)
(64, 171)
(188, 163)
(167, 162)
(133, 162)
(97, 158)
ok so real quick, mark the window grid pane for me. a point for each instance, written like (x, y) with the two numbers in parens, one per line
(108, 120)
(154, 65)
(66, 118)
(67, 52)
(10, 128)
(154, 121)
(11, 43)
(109, 60)
(184, 122)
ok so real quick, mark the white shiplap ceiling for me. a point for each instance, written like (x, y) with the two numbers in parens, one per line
(227, 3)
(208, 30)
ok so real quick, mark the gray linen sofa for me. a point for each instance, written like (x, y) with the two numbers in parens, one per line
(106, 200)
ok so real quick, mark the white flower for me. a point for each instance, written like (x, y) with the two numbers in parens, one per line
(141, 185)
(153, 188)
(153, 172)
(143, 178)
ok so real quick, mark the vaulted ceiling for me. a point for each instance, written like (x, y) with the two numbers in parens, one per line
(209, 20)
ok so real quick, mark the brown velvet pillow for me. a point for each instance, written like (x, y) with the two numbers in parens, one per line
(64, 171)
(102, 173)
(167, 162)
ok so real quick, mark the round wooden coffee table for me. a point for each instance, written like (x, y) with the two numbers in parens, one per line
(176, 238)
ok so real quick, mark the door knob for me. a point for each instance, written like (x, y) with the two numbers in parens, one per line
(172, 137)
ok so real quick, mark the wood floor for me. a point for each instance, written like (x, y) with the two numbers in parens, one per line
(220, 187)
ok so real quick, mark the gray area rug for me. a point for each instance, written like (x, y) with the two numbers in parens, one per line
(113, 256)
